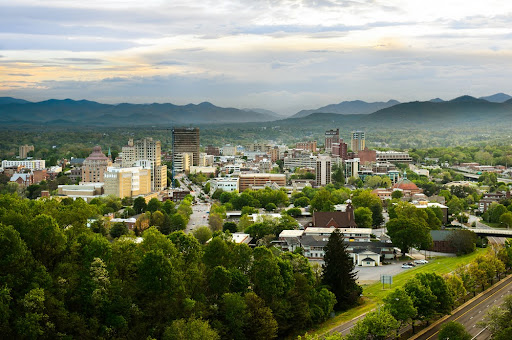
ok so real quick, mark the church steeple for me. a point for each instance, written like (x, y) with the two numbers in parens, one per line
(109, 153)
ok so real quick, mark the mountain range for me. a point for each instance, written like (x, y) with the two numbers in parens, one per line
(466, 110)
(349, 108)
(16, 111)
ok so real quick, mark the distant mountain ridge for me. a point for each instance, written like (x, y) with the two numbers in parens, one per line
(497, 98)
(349, 107)
(68, 112)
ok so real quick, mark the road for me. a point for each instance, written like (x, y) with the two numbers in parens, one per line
(472, 312)
(200, 210)
(479, 225)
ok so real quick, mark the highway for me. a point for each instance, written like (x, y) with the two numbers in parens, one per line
(472, 312)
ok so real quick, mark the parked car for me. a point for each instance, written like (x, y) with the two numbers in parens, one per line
(411, 264)
(420, 261)
(406, 265)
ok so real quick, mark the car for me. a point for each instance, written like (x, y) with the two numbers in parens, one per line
(420, 261)
(405, 265)
(411, 264)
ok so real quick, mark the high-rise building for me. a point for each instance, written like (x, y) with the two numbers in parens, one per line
(212, 150)
(358, 141)
(149, 152)
(340, 149)
(95, 166)
(307, 146)
(24, 150)
(186, 140)
(323, 171)
(127, 182)
(331, 136)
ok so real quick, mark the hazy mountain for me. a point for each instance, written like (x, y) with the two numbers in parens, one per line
(462, 111)
(349, 107)
(266, 112)
(436, 100)
(93, 113)
(497, 98)
(10, 100)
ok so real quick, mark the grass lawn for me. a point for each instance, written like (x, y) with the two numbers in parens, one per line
(494, 224)
(373, 293)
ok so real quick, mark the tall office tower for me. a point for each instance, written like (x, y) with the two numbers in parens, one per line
(24, 150)
(331, 136)
(186, 140)
(150, 151)
(358, 141)
(95, 166)
(323, 171)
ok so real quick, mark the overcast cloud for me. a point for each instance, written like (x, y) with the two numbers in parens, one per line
(282, 55)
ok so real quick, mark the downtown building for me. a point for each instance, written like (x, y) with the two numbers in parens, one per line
(127, 182)
(186, 140)
(323, 171)
(95, 166)
(331, 136)
(146, 153)
(357, 141)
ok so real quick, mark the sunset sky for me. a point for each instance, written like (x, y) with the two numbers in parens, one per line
(276, 54)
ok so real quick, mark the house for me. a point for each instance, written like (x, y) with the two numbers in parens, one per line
(366, 258)
(335, 219)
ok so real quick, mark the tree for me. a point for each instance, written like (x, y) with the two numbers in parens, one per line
(301, 202)
(409, 232)
(463, 241)
(363, 217)
(400, 306)
(262, 324)
(270, 207)
(440, 289)
(191, 329)
(294, 212)
(139, 205)
(230, 226)
(153, 205)
(118, 229)
(506, 219)
(157, 218)
(454, 331)
(202, 234)
(322, 201)
(169, 207)
(178, 222)
(367, 199)
(215, 222)
(339, 272)
(234, 315)
(422, 298)
(375, 325)
(397, 194)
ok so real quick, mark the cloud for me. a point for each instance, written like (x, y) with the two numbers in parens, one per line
(19, 74)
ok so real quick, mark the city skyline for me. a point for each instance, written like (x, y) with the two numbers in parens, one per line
(283, 56)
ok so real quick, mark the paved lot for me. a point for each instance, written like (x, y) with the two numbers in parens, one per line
(373, 273)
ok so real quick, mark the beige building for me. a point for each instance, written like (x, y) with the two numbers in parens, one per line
(84, 191)
(148, 152)
(24, 150)
(323, 171)
(256, 181)
(127, 182)
(183, 161)
(95, 166)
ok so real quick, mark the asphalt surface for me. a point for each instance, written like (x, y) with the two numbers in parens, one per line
(472, 312)
(200, 210)
(478, 224)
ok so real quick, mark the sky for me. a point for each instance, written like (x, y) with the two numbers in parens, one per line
(281, 55)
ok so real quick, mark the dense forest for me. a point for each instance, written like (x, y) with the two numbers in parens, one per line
(61, 279)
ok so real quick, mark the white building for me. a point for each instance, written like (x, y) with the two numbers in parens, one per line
(307, 161)
(323, 171)
(228, 184)
(35, 164)
(228, 150)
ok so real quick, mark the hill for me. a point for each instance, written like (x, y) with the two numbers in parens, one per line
(349, 107)
(11, 100)
(497, 98)
(68, 111)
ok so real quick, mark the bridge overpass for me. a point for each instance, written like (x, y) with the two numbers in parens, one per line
(475, 176)
(492, 232)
